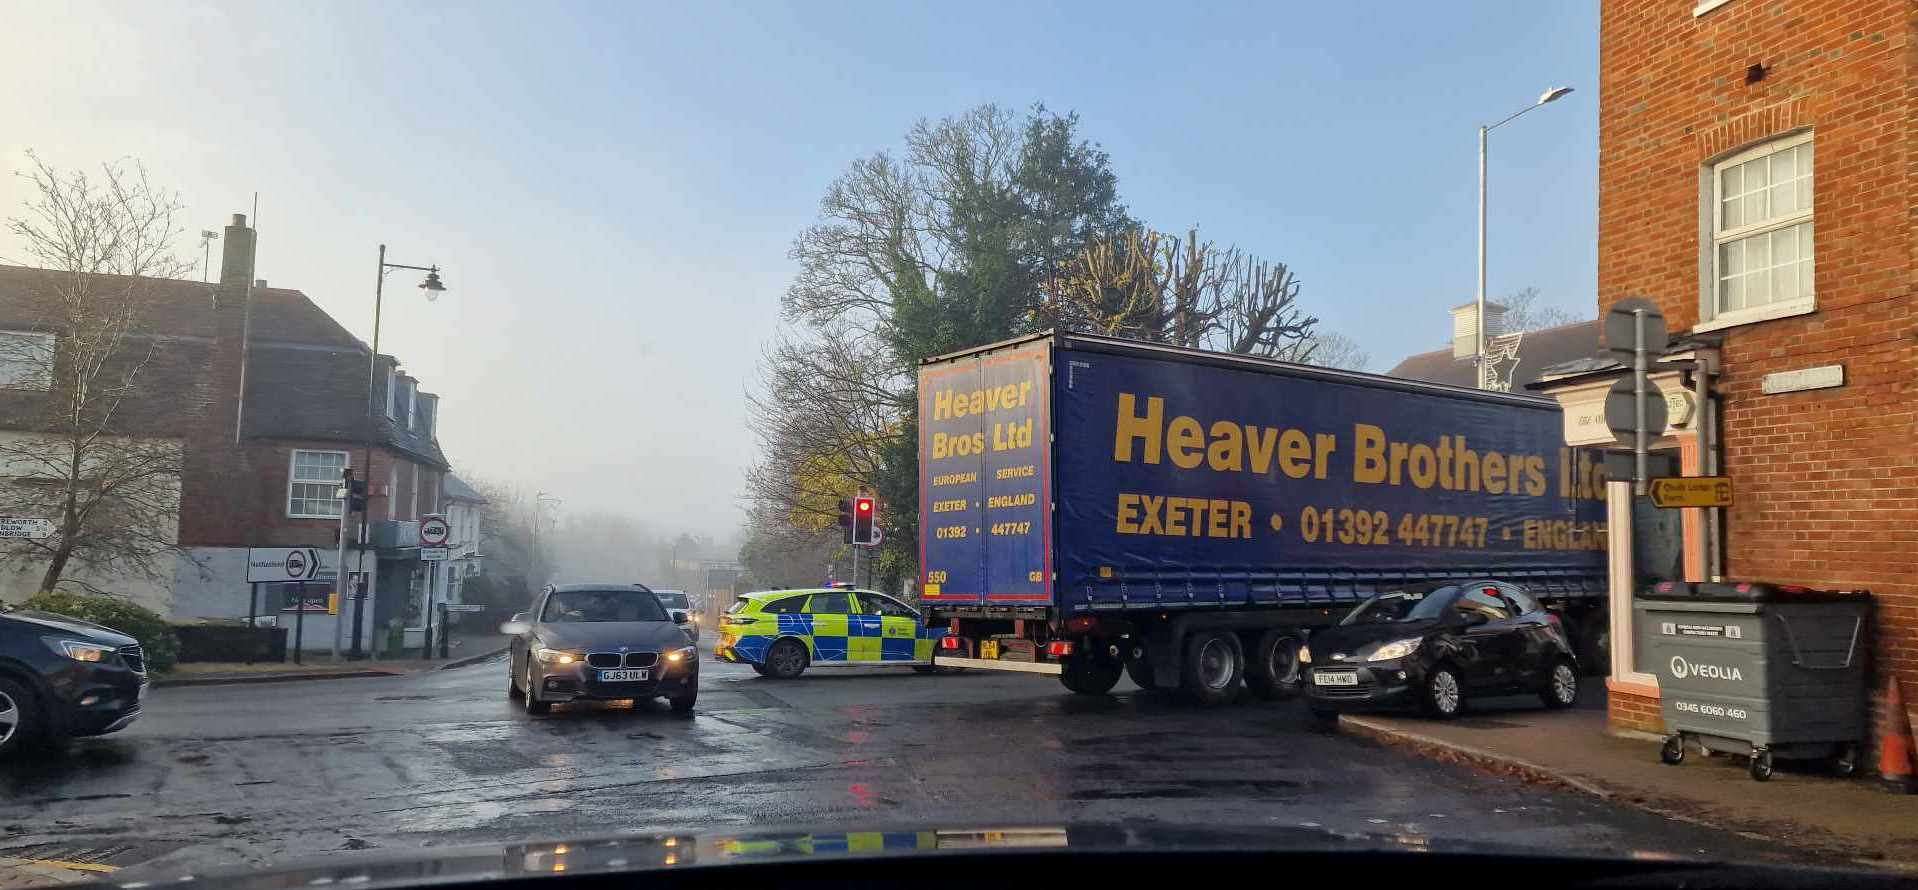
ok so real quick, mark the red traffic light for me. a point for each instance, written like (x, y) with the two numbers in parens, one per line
(864, 522)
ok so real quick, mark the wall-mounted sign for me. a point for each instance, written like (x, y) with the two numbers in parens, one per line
(1822, 377)
(25, 527)
(267, 564)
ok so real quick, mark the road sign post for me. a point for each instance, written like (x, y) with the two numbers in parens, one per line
(1635, 408)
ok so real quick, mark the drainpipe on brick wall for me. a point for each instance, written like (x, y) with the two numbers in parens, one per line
(1703, 372)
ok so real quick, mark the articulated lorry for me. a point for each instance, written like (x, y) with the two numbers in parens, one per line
(1090, 506)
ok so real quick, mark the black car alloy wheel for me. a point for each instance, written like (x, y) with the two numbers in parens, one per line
(16, 712)
(1561, 686)
(1444, 693)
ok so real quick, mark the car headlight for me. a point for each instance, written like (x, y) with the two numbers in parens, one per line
(681, 655)
(78, 650)
(1395, 649)
(556, 656)
(1305, 654)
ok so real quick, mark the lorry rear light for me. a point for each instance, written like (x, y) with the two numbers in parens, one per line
(1059, 649)
(1080, 624)
(949, 643)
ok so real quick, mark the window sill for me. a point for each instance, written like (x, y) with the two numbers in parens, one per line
(1705, 6)
(312, 516)
(1753, 316)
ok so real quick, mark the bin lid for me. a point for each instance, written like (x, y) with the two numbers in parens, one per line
(1671, 590)
(1761, 592)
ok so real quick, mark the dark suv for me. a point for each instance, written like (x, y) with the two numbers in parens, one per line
(63, 677)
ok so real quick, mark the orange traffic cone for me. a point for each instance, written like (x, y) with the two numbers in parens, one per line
(1894, 742)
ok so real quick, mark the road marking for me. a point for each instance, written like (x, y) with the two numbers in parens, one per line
(74, 866)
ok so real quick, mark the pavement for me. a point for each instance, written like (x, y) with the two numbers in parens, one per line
(1802, 806)
(320, 666)
(247, 776)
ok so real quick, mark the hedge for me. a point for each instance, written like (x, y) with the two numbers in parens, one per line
(155, 635)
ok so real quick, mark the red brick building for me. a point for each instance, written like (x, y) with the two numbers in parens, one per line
(267, 398)
(1758, 180)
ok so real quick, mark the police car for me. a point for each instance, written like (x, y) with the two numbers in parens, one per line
(780, 633)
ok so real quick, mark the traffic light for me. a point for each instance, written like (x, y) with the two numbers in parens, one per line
(845, 518)
(354, 490)
(865, 521)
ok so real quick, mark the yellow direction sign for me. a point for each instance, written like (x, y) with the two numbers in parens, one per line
(1692, 491)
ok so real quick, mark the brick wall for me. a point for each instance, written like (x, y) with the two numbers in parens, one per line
(257, 495)
(1629, 710)
(1827, 481)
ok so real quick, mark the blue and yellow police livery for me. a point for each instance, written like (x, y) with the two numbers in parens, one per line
(782, 632)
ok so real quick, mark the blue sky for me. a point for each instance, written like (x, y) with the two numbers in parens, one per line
(612, 188)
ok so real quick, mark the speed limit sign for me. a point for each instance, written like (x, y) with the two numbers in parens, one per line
(434, 531)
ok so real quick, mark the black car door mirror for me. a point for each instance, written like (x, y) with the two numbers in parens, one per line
(515, 625)
(1474, 619)
(679, 617)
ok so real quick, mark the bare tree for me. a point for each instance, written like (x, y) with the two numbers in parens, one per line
(1524, 313)
(77, 458)
(1152, 286)
(1331, 349)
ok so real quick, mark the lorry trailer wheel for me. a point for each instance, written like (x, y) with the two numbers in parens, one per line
(1673, 751)
(1091, 675)
(1140, 671)
(1273, 669)
(1212, 668)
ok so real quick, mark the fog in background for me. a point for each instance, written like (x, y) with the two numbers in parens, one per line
(612, 189)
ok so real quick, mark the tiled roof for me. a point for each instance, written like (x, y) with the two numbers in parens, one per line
(305, 374)
(1539, 350)
(457, 489)
(184, 308)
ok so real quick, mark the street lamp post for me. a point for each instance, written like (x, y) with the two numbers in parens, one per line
(432, 287)
(1478, 321)
(540, 500)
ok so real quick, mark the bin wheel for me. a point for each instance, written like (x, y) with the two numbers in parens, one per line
(1761, 764)
(1673, 751)
(1845, 763)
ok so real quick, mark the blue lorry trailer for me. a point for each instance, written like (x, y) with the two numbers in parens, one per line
(1090, 505)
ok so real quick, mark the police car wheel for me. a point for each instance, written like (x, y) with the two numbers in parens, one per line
(761, 670)
(512, 687)
(786, 660)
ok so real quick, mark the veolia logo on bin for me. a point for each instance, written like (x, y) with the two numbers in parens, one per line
(1682, 669)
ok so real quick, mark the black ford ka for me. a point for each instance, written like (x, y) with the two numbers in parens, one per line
(1434, 646)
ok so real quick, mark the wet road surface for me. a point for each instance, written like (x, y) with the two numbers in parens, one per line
(251, 775)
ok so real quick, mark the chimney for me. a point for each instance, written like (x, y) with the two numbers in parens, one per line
(1465, 326)
(236, 254)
